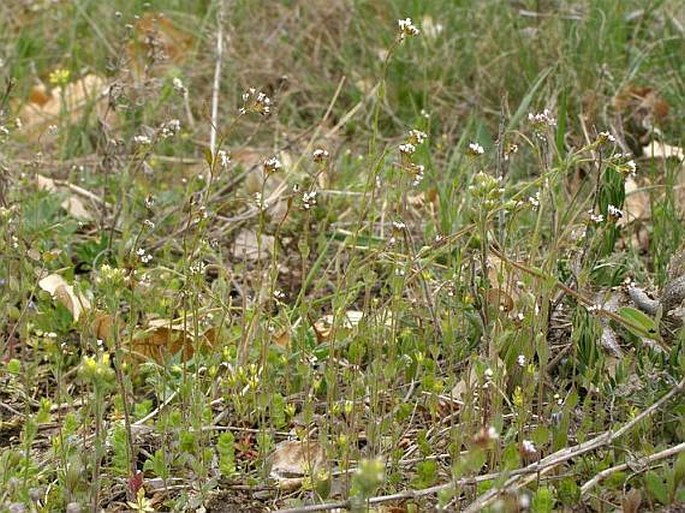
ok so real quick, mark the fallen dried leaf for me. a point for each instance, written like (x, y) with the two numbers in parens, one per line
(60, 290)
(324, 326)
(164, 338)
(250, 248)
(72, 204)
(293, 460)
(44, 109)
(660, 150)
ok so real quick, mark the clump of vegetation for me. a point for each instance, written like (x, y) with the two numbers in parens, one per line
(360, 255)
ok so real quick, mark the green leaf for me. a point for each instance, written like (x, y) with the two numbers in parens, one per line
(543, 501)
(656, 487)
(679, 470)
(638, 323)
(225, 446)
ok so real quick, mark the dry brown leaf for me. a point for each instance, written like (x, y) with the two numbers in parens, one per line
(293, 460)
(102, 326)
(72, 203)
(636, 205)
(660, 150)
(44, 109)
(248, 247)
(282, 337)
(158, 37)
(504, 291)
(60, 290)
(324, 326)
(633, 99)
(164, 338)
(77, 209)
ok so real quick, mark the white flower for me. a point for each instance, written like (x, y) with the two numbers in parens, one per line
(141, 140)
(419, 174)
(543, 118)
(614, 212)
(309, 200)
(534, 201)
(197, 268)
(271, 165)
(255, 101)
(170, 128)
(260, 203)
(595, 218)
(407, 28)
(632, 167)
(605, 137)
(528, 448)
(407, 148)
(476, 149)
(179, 87)
(521, 360)
(417, 136)
(224, 158)
(320, 154)
(143, 256)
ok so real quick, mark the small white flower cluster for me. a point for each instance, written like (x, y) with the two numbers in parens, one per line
(399, 226)
(542, 118)
(511, 149)
(142, 140)
(224, 159)
(417, 137)
(170, 128)
(605, 138)
(534, 201)
(528, 448)
(521, 360)
(614, 213)
(260, 202)
(279, 295)
(475, 149)
(319, 155)
(144, 256)
(309, 200)
(595, 218)
(487, 190)
(179, 87)
(419, 174)
(255, 101)
(271, 165)
(541, 122)
(407, 28)
(197, 268)
(624, 164)
(407, 149)
(112, 275)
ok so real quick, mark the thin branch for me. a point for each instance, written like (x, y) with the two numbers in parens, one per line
(407, 494)
(666, 453)
(216, 85)
(547, 464)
